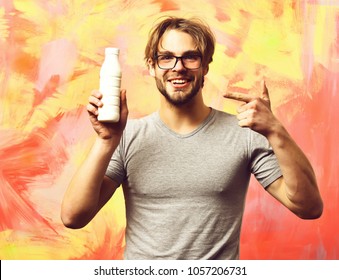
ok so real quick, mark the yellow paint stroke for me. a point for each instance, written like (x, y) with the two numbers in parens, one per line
(3, 25)
(255, 39)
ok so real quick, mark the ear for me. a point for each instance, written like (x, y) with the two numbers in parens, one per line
(151, 69)
(205, 70)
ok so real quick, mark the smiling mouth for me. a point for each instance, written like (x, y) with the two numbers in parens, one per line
(179, 82)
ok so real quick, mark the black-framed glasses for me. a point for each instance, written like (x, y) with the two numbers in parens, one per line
(168, 61)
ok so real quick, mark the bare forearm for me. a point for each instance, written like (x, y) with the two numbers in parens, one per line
(81, 200)
(297, 189)
(299, 183)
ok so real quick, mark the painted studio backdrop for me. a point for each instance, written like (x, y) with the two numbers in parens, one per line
(50, 56)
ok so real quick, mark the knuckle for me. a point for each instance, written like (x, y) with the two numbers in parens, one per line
(96, 94)
(94, 101)
(250, 113)
(91, 109)
(256, 101)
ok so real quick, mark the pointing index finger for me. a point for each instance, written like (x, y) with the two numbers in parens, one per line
(239, 96)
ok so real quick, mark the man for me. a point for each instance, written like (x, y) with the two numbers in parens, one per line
(185, 169)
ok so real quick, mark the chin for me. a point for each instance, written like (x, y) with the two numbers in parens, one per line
(179, 98)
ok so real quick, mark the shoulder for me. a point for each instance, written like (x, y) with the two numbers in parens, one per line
(224, 116)
(227, 121)
(139, 126)
(227, 125)
(140, 122)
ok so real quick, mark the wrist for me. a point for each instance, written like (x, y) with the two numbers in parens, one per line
(277, 134)
(107, 144)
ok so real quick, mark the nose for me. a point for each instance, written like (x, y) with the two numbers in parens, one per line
(178, 65)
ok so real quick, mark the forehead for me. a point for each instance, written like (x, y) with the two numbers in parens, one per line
(176, 42)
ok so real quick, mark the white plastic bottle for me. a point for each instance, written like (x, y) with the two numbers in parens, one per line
(110, 81)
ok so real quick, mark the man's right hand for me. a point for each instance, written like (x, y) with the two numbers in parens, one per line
(107, 130)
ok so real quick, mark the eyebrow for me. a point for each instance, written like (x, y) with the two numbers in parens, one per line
(190, 52)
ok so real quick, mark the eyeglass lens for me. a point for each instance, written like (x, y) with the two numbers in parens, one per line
(170, 61)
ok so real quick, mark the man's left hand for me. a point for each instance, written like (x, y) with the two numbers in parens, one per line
(256, 113)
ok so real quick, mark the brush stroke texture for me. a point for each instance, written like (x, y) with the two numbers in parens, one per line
(50, 55)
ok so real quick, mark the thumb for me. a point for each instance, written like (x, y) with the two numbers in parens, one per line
(123, 105)
(264, 93)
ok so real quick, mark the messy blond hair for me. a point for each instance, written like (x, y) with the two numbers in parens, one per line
(200, 32)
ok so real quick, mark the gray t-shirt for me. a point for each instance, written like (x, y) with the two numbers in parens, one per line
(185, 194)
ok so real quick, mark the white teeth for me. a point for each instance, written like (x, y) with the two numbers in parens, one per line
(179, 81)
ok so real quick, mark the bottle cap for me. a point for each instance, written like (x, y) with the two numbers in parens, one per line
(111, 51)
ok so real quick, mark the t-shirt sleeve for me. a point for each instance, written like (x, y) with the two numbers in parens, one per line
(264, 163)
(115, 169)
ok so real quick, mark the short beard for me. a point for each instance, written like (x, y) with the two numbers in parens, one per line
(183, 99)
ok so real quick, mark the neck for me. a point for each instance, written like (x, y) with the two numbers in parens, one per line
(185, 118)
